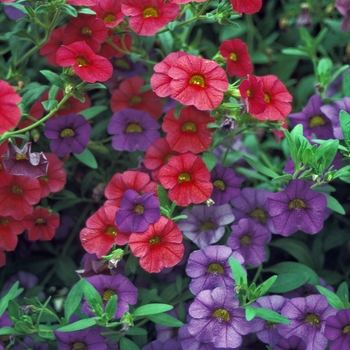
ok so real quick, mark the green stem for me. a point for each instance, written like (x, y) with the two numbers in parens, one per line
(257, 274)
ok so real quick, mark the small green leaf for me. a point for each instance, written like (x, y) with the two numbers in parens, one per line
(91, 294)
(249, 313)
(92, 112)
(288, 281)
(333, 204)
(136, 331)
(270, 315)
(53, 78)
(111, 306)
(238, 272)
(209, 159)
(260, 167)
(332, 298)
(165, 320)
(13, 293)
(73, 300)
(294, 52)
(127, 344)
(265, 286)
(69, 10)
(177, 110)
(343, 291)
(9, 331)
(163, 197)
(49, 104)
(77, 326)
(95, 86)
(87, 158)
(151, 309)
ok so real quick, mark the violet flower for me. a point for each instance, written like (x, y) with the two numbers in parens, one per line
(291, 343)
(137, 212)
(171, 344)
(337, 330)
(68, 134)
(205, 225)
(297, 208)
(133, 130)
(24, 162)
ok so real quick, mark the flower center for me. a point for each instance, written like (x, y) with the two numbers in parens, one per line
(219, 184)
(108, 18)
(82, 62)
(317, 120)
(184, 177)
(222, 315)
(67, 133)
(245, 240)
(66, 105)
(270, 324)
(312, 319)
(44, 178)
(40, 221)
(4, 221)
(16, 190)
(78, 346)
(297, 204)
(207, 225)
(259, 215)
(107, 294)
(112, 231)
(267, 98)
(215, 269)
(134, 100)
(346, 329)
(233, 56)
(133, 127)
(139, 209)
(86, 31)
(21, 156)
(248, 92)
(197, 80)
(122, 64)
(149, 12)
(189, 126)
(154, 240)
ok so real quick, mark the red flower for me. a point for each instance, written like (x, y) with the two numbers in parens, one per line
(109, 11)
(197, 81)
(277, 99)
(50, 48)
(159, 246)
(187, 178)
(122, 41)
(128, 96)
(101, 232)
(134, 180)
(160, 80)
(18, 197)
(279, 134)
(189, 132)
(5, 177)
(10, 113)
(86, 28)
(82, 2)
(247, 7)
(9, 230)
(41, 224)
(88, 66)
(147, 16)
(56, 176)
(238, 60)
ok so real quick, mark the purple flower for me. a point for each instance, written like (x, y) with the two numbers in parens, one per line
(336, 86)
(132, 130)
(249, 239)
(343, 6)
(23, 162)
(218, 319)
(252, 204)
(209, 268)
(291, 343)
(68, 134)
(205, 225)
(307, 320)
(304, 19)
(315, 123)
(137, 212)
(107, 286)
(226, 185)
(89, 339)
(297, 208)
(338, 330)
(306, 290)
(171, 344)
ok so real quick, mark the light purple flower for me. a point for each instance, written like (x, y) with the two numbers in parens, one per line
(171, 344)
(343, 6)
(205, 225)
(217, 318)
(209, 268)
(297, 208)
(137, 212)
(24, 162)
(133, 130)
(307, 320)
(291, 343)
(337, 330)
(68, 134)
(249, 239)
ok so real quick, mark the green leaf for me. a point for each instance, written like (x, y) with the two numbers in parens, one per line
(260, 167)
(95, 86)
(91, 294)
(333, 204)
(13, 310)
(209, 159)
(288, 281)
(69, 10)
(49, 104)
(13, 293)
(165, 320)
(251, 174)
(127, 344)
(22, 34)
(111, 306)
(136, 331)
(332, 298)
(177, 110)
(238, 272)
(163, 197)
(92, 112)
(46, 332)
(265, 286)
(270, 315)
(346, 85)
(131, 265)
(167, 41)
(31, 93)
(53, 78)
(87, 158)
(151, 309)
(65, 270)
(344, 119)
(73, 300)
(249, 313)
(295, 52)
(53, 92)
(9, 331)
(343, 291)
(77, 326)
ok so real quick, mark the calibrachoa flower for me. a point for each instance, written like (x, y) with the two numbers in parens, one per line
(101, 232)
(85, 63)
(132, 130)
(107, 286)
(226, 184)
(206, 225)
(10, 113)
(24, 162)
(187, 178)
(249, 239)
(50, 48)
(307, 320)
(9, 230)
(148, 16)
(123, 42)
(238, 60)
(41, 224)
(109, 11)
(209, 268)
(5, 177)
(197, 81)
(88, 338)
(291, 343)
(297, 208)
(337, 330)
(248, 7)
(159, 246)
(68, 134)
(218, 319)
(188, 132)
(137, 212)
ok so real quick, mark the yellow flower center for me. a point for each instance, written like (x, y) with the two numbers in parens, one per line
(4, 221)
(259, 215)
(112, 231)
(222, 315)
(86, 31)
(149, 12)
(219, 184)
(207, 225)
(67, 133)
(21, 156)
(184, 177)
(270, 324)
(108, 18)
(248, 92)
(82, 62)
(197, 80)
(135, 99)
(154, 240)
(267, 98)
(78, 346)
(297, 204)
(40, 221)
(123, 64)
(317, 120)
(215, 269)
(133, 127)
(139, 209)
(189, 126)
(66, 105)
(245, 240)
(233, 56)
(107, 294)
(16, 190)
(312, 319)
(44, 178)
(346, 330)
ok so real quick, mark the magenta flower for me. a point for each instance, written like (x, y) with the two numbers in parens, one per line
(338, 330)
